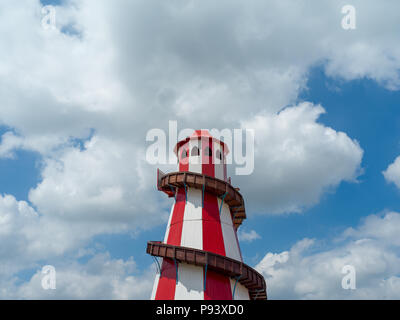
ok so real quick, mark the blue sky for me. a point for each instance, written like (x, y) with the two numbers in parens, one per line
(19, 174)
(78, 100)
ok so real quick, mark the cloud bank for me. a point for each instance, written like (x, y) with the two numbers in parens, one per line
(313, 270)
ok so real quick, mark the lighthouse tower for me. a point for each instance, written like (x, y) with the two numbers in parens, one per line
(200, 257)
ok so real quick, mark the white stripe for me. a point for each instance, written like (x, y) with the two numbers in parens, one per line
(195, 161)
(241, 292)
(192, 236)
(192, 230)
(225, 213)
(190, 283)
(218, 164)
(169, 223)
(193, 207)
(155, 285)
(231, 248)
(230, 243)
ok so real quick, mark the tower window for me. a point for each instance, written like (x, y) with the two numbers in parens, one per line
(195, 152)
(184, 154)
(218, 154)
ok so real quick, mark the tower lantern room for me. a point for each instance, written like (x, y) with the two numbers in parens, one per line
(204, 154)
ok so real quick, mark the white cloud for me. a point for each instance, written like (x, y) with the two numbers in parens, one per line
(248, 236)
(191, 58)
(308, 271)
(392, 173)
(107, 184)
(29, 237)
(26, 237)
(297, 159)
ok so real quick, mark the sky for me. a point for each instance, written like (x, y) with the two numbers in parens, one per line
(77, 99)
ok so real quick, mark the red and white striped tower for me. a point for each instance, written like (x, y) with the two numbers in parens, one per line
(201, 240)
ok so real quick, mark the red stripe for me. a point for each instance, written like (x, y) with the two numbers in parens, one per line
(167, 283)
(213, 239)
(207, 162)
(184, 163)
(218, 287)
(175, 228)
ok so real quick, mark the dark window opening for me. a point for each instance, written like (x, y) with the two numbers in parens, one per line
(218, 154)
(195, 152)
(184, 154)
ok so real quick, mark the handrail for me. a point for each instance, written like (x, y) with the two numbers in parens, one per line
(215, 186)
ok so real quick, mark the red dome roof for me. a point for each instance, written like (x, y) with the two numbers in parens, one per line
(198, 134)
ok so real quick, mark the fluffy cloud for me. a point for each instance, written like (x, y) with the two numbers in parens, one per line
(180, 60)
(29, 237)
(106, 184)
(183, 60)
(99, 278)
(297, 159)
(310, 271)
(63, 230)
(392, 173)
(248, 236)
